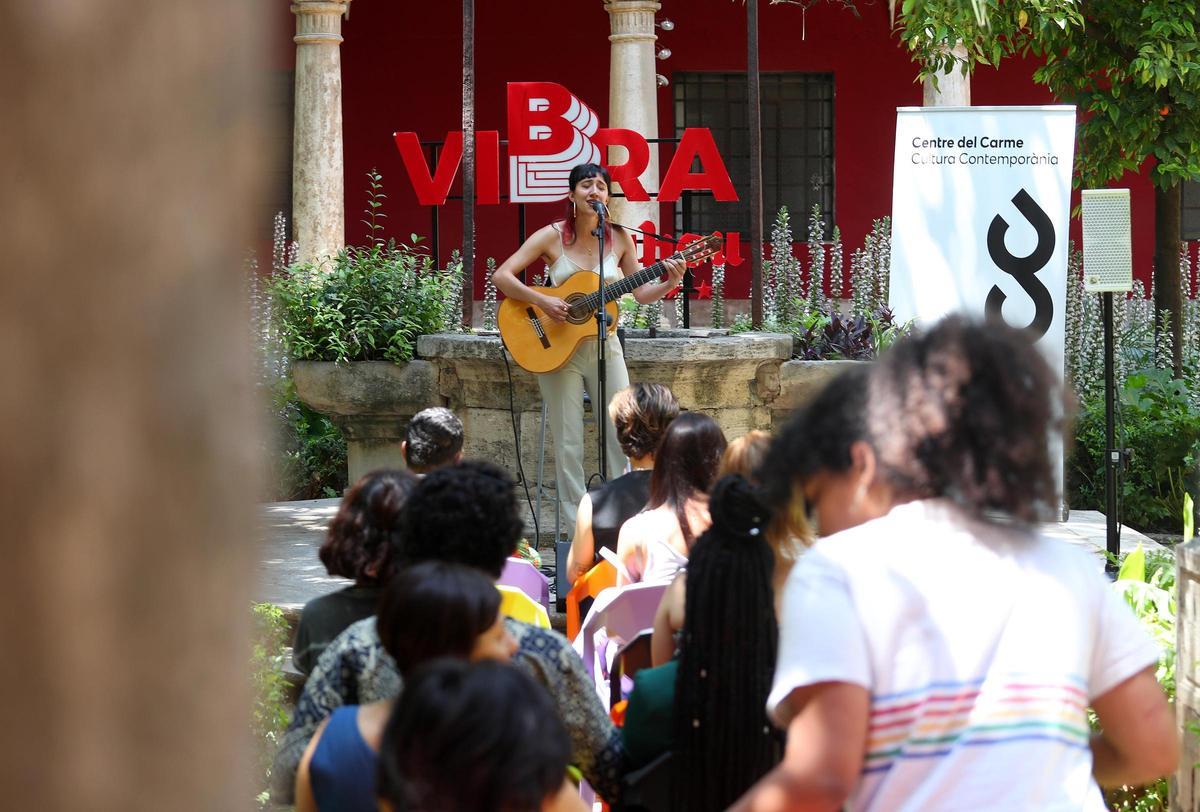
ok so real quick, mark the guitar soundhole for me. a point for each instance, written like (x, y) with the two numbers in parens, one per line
(577, 315)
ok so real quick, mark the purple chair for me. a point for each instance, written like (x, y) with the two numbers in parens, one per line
(622, 613)
(526, 577)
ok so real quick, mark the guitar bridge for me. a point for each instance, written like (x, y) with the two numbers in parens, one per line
(537, 328)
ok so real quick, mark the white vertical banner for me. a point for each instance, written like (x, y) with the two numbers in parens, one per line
(981, 200)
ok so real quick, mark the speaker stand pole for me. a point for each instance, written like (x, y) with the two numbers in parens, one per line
(1112, 456)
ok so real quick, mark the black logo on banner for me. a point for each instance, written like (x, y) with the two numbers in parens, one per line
(1023, 269)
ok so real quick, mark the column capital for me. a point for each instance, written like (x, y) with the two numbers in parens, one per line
(631, 20)
(319, 21)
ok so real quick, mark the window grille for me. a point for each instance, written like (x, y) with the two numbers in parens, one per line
(797, 139)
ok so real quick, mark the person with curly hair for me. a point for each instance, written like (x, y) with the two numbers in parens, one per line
(654, 544)
(361, 544)
(462, 514)
(641, 413)
(429, 611)
(945, 655)
(475, 738)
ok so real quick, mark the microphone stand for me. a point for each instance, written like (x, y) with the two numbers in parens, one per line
(600, 403)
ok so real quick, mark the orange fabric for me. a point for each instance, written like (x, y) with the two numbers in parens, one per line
(618, 713)
(589, 585)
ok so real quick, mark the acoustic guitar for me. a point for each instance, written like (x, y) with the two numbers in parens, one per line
(538, 343)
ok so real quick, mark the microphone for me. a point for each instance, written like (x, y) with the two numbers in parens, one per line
(598, 207)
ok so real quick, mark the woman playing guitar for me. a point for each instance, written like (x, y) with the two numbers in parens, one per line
(568, 246)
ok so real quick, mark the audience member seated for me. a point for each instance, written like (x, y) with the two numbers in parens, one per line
(653, 545)
(360, 544)
(818, 474)
(641, 414)
(429, 611)
(742, 456)
(475, 738)
(462, 514)
(944, 656)
(433, 438)
(707, 706)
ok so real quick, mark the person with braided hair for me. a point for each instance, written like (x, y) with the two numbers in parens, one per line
(707, 705)
(945, 655)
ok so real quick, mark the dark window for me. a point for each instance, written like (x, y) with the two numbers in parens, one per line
(1191, 210)
(797, 142)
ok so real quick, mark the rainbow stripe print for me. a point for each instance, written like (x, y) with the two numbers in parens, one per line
(933, 721)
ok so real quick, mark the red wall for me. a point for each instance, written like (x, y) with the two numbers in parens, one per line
(402, 71)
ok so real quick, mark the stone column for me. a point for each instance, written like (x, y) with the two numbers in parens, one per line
(129, 419)
(1185, 789)
(318, 196)
(953, 89)
(633, 94)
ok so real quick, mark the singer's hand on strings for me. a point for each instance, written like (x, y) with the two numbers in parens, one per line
(554, 307)
(675, 270)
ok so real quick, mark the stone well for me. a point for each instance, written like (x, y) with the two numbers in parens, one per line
(744, 381)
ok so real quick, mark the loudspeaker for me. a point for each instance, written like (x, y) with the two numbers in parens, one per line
(1107, 258)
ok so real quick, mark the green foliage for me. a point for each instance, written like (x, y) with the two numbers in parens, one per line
(368, 303)
(371, 305)
(375, 198)
(833, 337)
(820, 331)
(988, 30)
(1134, 71)
(490, 305)
(1160, 422)
(718, 296)
(310, 452)
(270, 714)
(1147, 582)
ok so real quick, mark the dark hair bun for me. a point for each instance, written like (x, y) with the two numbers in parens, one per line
(738, 509)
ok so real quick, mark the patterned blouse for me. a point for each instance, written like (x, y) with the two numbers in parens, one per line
(355, 670)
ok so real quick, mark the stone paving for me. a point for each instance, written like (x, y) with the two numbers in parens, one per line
(290, 573)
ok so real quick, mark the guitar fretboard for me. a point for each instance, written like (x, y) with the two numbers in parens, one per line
(615, 290)
(591, 303)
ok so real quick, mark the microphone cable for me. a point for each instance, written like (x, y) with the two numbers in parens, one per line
(512, 411)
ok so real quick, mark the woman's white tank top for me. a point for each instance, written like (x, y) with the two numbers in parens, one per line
(564, 267)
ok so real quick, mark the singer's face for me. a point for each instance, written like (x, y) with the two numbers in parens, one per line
(589, 189)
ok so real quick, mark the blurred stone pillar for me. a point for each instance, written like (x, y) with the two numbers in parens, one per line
(318, 180)
(130, 166)
(633, 95)
(1185, 789)
(953, 88)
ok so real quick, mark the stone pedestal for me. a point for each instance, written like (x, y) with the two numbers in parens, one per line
(1185, 790)
(318, 197)
(633, 95)
(734, 379)
(742, 381)
(370, 402)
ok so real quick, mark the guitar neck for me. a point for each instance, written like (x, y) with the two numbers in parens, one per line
(615, 290)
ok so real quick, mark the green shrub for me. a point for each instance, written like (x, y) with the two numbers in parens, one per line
(1160, 422)
(270, 714)
(308, 452)
(366, 304)
(1147, 582)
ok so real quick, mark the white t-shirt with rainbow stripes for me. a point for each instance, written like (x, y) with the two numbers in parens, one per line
(981, 646)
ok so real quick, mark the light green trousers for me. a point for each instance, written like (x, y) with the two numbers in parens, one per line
(562, 392)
